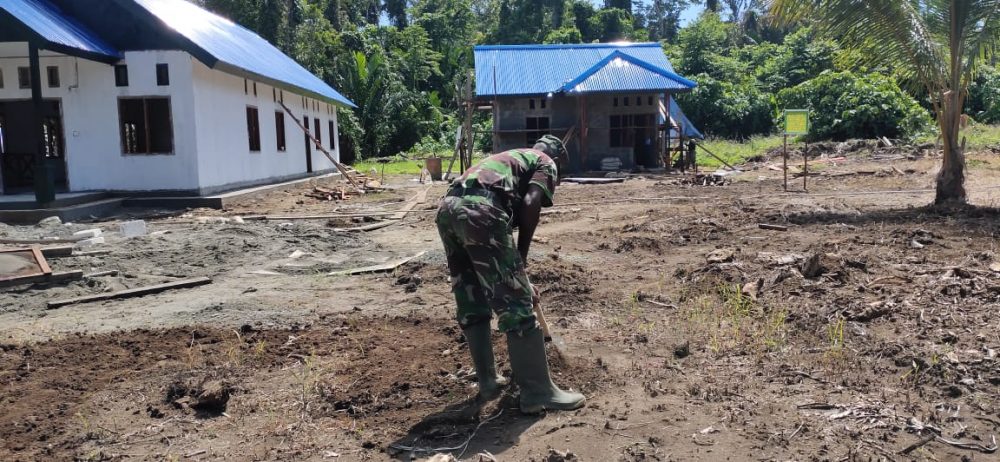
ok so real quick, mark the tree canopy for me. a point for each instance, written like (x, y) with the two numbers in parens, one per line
(402, 62)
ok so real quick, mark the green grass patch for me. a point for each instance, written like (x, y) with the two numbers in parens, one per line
(395, 166)
(978, 136)
(735, 152)
(399, 165)
(981, 136)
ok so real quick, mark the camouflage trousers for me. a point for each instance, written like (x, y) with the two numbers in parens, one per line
(487, 272)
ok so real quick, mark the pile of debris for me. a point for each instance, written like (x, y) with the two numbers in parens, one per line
(879, 149)
(327, 194)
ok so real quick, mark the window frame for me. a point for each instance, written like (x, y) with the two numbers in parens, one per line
(253, 129)
(533, 133)
(332, 129)
(52, 71)
(121, 75)
(317, 131)
(23, 78)
(170, 119)
(281, 140)
(162, 74)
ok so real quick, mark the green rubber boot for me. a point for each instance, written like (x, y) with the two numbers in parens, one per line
(481, 347)
(531, 373)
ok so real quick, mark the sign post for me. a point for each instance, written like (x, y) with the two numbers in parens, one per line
(796, 123)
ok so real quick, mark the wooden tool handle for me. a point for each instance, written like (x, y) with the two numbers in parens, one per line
(537, 307)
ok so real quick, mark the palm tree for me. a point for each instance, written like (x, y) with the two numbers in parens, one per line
(938, 44)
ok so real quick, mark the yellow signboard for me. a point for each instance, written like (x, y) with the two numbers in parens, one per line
(796, 122)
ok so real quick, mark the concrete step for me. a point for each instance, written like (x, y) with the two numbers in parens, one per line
(98, 208)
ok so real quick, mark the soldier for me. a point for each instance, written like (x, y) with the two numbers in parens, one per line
(487, 269)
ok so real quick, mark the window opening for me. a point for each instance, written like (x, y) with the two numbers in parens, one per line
(330, 125)
(162, 75)
(3, 136)
(23, 77)
(146, 125)
(52, 136)
(537, 127)
(279, 130)
(121, 75)
(52, 72)
(253, 129)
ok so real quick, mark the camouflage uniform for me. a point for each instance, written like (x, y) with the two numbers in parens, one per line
(475, 222)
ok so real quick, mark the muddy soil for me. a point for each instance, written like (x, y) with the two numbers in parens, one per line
(867, 330)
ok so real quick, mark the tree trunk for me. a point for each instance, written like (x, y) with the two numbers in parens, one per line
(951, 179)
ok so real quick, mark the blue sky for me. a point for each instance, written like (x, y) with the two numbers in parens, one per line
(691, 13)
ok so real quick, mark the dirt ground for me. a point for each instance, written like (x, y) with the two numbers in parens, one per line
(869, 328)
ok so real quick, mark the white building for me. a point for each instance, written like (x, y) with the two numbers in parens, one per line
(154, 96)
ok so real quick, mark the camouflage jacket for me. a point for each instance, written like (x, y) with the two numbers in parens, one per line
(509, 173)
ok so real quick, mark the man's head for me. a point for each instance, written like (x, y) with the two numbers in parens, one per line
(553, 147)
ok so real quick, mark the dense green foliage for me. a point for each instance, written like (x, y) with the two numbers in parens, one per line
(984, 97)
(403, 62)
(844, 105)
(726, 109)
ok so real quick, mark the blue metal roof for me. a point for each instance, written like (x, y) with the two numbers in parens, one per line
(58, 31)
(541, 69)
(238, 49)
(619, 71)
(690, 131)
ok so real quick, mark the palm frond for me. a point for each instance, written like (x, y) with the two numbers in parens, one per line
(899, 30)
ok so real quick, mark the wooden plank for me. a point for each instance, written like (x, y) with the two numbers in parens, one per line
(23, 263)
(57, 251)
(419, 198)
(392, 265)
(101, 274)
(320, 147)
(40, 259)
(137, 292)
(703, 148)
(772, 227)
(39, 241)
(42, 278)
(368, 227)
(594, 180)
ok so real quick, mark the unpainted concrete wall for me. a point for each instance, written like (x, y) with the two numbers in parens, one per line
(563, 112)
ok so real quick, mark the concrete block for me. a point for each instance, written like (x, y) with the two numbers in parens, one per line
(89, 242)
(135, 228)
(88, 233)
(49, 222)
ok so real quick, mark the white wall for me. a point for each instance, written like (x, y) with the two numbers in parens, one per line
(208, 108)
(89, 100)
(225, 159)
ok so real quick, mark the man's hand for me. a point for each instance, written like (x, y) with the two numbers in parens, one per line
(536, 298)
(527, 219)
